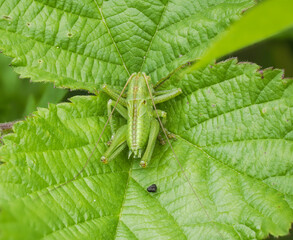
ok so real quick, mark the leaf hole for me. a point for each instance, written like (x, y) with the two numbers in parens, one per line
(69, 34)
(40, 60)
(28, 24)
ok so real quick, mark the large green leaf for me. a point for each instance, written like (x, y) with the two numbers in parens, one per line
(234, 140)
(265, 20)
(82, 44)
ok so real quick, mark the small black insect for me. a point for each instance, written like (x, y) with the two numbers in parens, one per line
(152, 188)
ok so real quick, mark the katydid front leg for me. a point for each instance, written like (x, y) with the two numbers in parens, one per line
(154, 133)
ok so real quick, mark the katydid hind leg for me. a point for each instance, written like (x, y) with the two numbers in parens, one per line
(115, 148)
(155, 127)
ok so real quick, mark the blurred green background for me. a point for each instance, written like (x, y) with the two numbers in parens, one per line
(20, 97)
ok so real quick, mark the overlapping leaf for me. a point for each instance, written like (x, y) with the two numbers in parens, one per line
(234, 140)
(265, 20)
(82, 44)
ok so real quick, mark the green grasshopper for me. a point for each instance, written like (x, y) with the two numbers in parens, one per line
(142, 128)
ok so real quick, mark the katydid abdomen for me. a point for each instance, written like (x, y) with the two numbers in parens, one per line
(139, 119)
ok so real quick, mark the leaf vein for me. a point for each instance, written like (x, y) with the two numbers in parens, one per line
(61, 49)
(229, 112)
(63, 10)
(227, 166)
(151, 42)
(110, 34)
(124, 198)
(159, 203)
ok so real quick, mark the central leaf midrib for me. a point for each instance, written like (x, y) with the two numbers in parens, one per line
(163, 208)
(151, 42)
(110, 35)
(124, 197)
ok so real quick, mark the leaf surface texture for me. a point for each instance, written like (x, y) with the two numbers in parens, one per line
(83, 44)
(234, 140)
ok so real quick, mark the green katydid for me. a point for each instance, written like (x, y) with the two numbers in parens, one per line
(142, 128)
